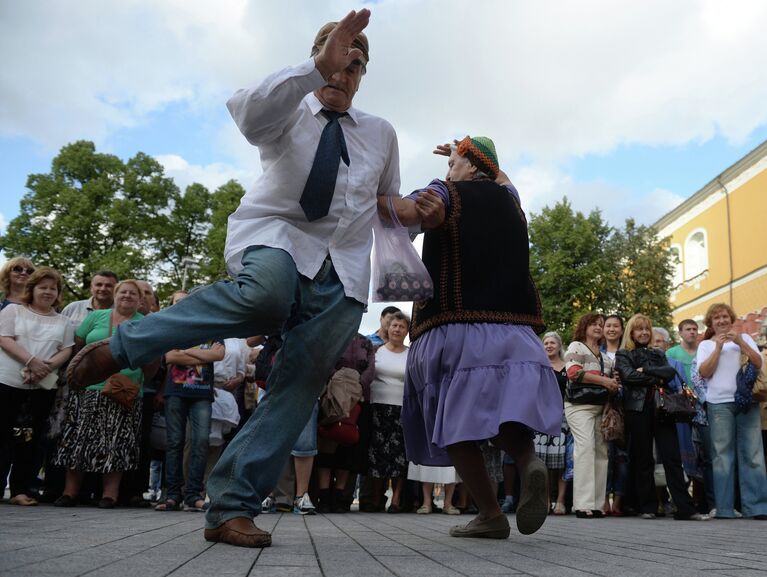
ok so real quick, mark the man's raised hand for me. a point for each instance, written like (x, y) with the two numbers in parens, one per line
(337, 52)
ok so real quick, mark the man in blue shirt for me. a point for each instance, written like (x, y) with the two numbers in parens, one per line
(379, 337)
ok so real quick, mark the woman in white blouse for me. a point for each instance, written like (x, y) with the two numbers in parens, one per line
(735, 432)
(34, 342)
(386, 453)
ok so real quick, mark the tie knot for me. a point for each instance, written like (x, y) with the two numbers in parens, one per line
(332, 115)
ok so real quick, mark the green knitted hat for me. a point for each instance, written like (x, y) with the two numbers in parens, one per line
(480, 151)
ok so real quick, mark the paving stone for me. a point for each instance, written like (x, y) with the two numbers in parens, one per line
(49, 542)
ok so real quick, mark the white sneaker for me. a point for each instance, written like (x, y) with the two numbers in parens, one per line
(699, 517)
(303, 505)
(152, 495)
(738, 514)
(269, 505)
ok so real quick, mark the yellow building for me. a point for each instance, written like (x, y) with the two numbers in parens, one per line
(720, 236)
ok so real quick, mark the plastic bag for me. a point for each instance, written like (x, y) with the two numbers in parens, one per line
(398, 272)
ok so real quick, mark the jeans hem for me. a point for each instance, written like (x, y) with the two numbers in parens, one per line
(228, 516)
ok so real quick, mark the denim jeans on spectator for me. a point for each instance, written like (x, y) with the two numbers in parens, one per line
(306, 445)
(706, 466)
(737, 436)
(177, 411)
(155, 476)
(617, 469)
(317, 321)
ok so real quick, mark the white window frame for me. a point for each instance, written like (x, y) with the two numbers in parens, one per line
(691, 271)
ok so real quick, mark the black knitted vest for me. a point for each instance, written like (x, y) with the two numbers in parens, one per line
(479, 261)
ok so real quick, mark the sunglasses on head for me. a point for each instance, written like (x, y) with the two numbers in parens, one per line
(20, 269)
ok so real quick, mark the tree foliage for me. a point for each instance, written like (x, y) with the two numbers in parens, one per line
(646, 272)
(582, 264)
(93, 211)
(223, 203)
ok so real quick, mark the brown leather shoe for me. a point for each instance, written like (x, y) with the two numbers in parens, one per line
(93, 364)
(240, 532)
(495, 528)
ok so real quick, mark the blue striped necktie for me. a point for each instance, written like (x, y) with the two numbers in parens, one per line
(318, 191)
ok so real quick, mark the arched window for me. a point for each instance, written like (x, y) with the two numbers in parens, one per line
(675, 254)
(695, 254)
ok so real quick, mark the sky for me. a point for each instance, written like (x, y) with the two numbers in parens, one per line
(629, 107)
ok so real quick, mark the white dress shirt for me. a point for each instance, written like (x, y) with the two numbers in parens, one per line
(77, 311)
(283, 118)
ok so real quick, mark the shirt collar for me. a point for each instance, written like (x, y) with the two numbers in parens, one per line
(316, 107)
(91, 306)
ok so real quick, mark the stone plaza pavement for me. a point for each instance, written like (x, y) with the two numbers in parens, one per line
(46, 541)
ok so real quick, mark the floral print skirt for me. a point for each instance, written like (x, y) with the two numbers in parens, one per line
(386, 452)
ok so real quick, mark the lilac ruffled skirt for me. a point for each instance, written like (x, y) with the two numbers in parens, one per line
(464, 380)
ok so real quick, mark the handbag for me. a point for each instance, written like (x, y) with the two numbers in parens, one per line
(759, 391)
(612, 425)
(745, 379)
(345, 432)
(675, 407)
(121, 390)
(398, 272)
(341, 394)
(579, 393)
(118, 387)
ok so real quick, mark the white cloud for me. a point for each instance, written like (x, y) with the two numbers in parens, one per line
(210, 175)
(541, 185)
(547, 80)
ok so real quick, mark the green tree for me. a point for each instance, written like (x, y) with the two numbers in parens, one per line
(646, 273)
(581, 264)
(179, 235)
(224, 201)
(92, 211)
(568, 263)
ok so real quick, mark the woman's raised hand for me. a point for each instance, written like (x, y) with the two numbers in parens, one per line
(444, 149)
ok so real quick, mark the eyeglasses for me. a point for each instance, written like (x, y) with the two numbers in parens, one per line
(20, 269)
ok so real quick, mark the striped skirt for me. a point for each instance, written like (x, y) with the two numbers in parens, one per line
(99, 435)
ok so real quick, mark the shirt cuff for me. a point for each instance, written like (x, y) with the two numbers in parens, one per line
(308, 77)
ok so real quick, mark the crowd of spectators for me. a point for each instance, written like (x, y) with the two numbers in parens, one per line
(75, 446)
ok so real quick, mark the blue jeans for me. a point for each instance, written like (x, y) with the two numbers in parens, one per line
(704, 434)
(617, 469)
(737, 436)
(306, 445)
(155, 476)
(317, 321)
(177, 411)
